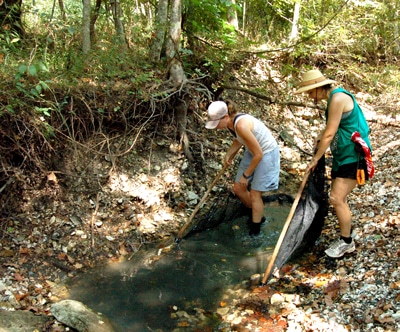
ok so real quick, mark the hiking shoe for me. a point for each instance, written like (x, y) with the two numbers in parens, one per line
(339, 248)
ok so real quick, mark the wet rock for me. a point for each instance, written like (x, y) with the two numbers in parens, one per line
(223, 311)
(255, 279)
(76, 315)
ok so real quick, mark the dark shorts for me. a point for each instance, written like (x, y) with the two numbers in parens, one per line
(349, 171)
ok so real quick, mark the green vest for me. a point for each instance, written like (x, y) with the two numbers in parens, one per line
(342, 147)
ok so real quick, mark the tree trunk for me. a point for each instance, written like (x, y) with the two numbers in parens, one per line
(296, 15)
(177, 73)
(171, 35)
(93, 20)
(232, 15)
(62, 10)
(175, 21)
(160, 31)
(86, 27)
(10, 17)
(119, 26)
(244, 18)
(396, 34)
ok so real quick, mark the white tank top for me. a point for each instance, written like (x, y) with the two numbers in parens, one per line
(261, 133)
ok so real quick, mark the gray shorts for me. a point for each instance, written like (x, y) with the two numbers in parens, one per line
(266, 175)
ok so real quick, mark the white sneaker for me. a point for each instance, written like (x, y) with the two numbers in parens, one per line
(339, 248)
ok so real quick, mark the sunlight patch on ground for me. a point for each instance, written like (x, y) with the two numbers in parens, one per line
(149, 191)
(135, 187)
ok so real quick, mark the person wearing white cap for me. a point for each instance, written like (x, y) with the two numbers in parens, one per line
(258, 171)
(344, 117)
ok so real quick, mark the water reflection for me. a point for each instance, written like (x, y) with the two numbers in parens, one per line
(141, 294)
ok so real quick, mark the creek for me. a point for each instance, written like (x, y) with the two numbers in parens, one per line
(142, 294)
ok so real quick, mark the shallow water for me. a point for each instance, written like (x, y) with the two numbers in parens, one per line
(140, 294)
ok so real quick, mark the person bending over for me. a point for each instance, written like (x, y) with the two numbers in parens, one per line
(258, 171)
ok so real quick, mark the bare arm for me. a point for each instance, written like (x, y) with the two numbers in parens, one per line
(340, 103)
(245, 130)
(232, 151)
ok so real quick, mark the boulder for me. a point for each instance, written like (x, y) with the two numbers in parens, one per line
(78, 316)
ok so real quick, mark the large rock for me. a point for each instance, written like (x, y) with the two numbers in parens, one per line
(21, 321)
(76, 315)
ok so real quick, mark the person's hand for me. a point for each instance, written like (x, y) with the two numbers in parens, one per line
(243, 181)
(316, 141)
(311, 166)
(228, 160)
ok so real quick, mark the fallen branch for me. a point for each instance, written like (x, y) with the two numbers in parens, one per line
(269, 99)
(7, 183)
(93, 217)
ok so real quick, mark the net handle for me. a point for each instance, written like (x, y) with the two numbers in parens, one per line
(285, 228)
(185, 229)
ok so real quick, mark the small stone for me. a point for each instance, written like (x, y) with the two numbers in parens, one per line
(277, 298)
(223, 311)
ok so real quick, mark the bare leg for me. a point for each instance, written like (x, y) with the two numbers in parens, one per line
(257, 205)
(341, 187)
(243, 194)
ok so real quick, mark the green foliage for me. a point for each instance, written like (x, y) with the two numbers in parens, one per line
(365, 30)
(208, 18)
(55, 39)
(357, 28)
(268, 21)
(143, 78)
(27, 82)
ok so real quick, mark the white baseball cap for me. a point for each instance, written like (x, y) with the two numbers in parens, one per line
(216, 111)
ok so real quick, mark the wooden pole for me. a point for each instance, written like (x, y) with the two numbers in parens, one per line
(185, 229)
(285, 228)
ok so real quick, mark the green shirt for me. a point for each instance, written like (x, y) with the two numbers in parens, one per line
(342, 147)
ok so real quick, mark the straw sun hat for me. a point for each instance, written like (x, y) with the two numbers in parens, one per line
(311, 80)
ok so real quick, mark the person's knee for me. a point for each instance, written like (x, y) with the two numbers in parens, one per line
(334, 200)
(255, 195)
(237, 188)
(256, 199)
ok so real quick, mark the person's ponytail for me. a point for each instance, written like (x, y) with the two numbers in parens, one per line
(232, 107)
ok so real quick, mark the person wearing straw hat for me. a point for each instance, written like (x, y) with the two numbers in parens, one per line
(344, 118)
(258, 171)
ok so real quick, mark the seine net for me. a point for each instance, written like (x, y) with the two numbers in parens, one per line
(305, 226)
(308, 219)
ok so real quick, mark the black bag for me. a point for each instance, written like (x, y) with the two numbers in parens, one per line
(358, 148)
